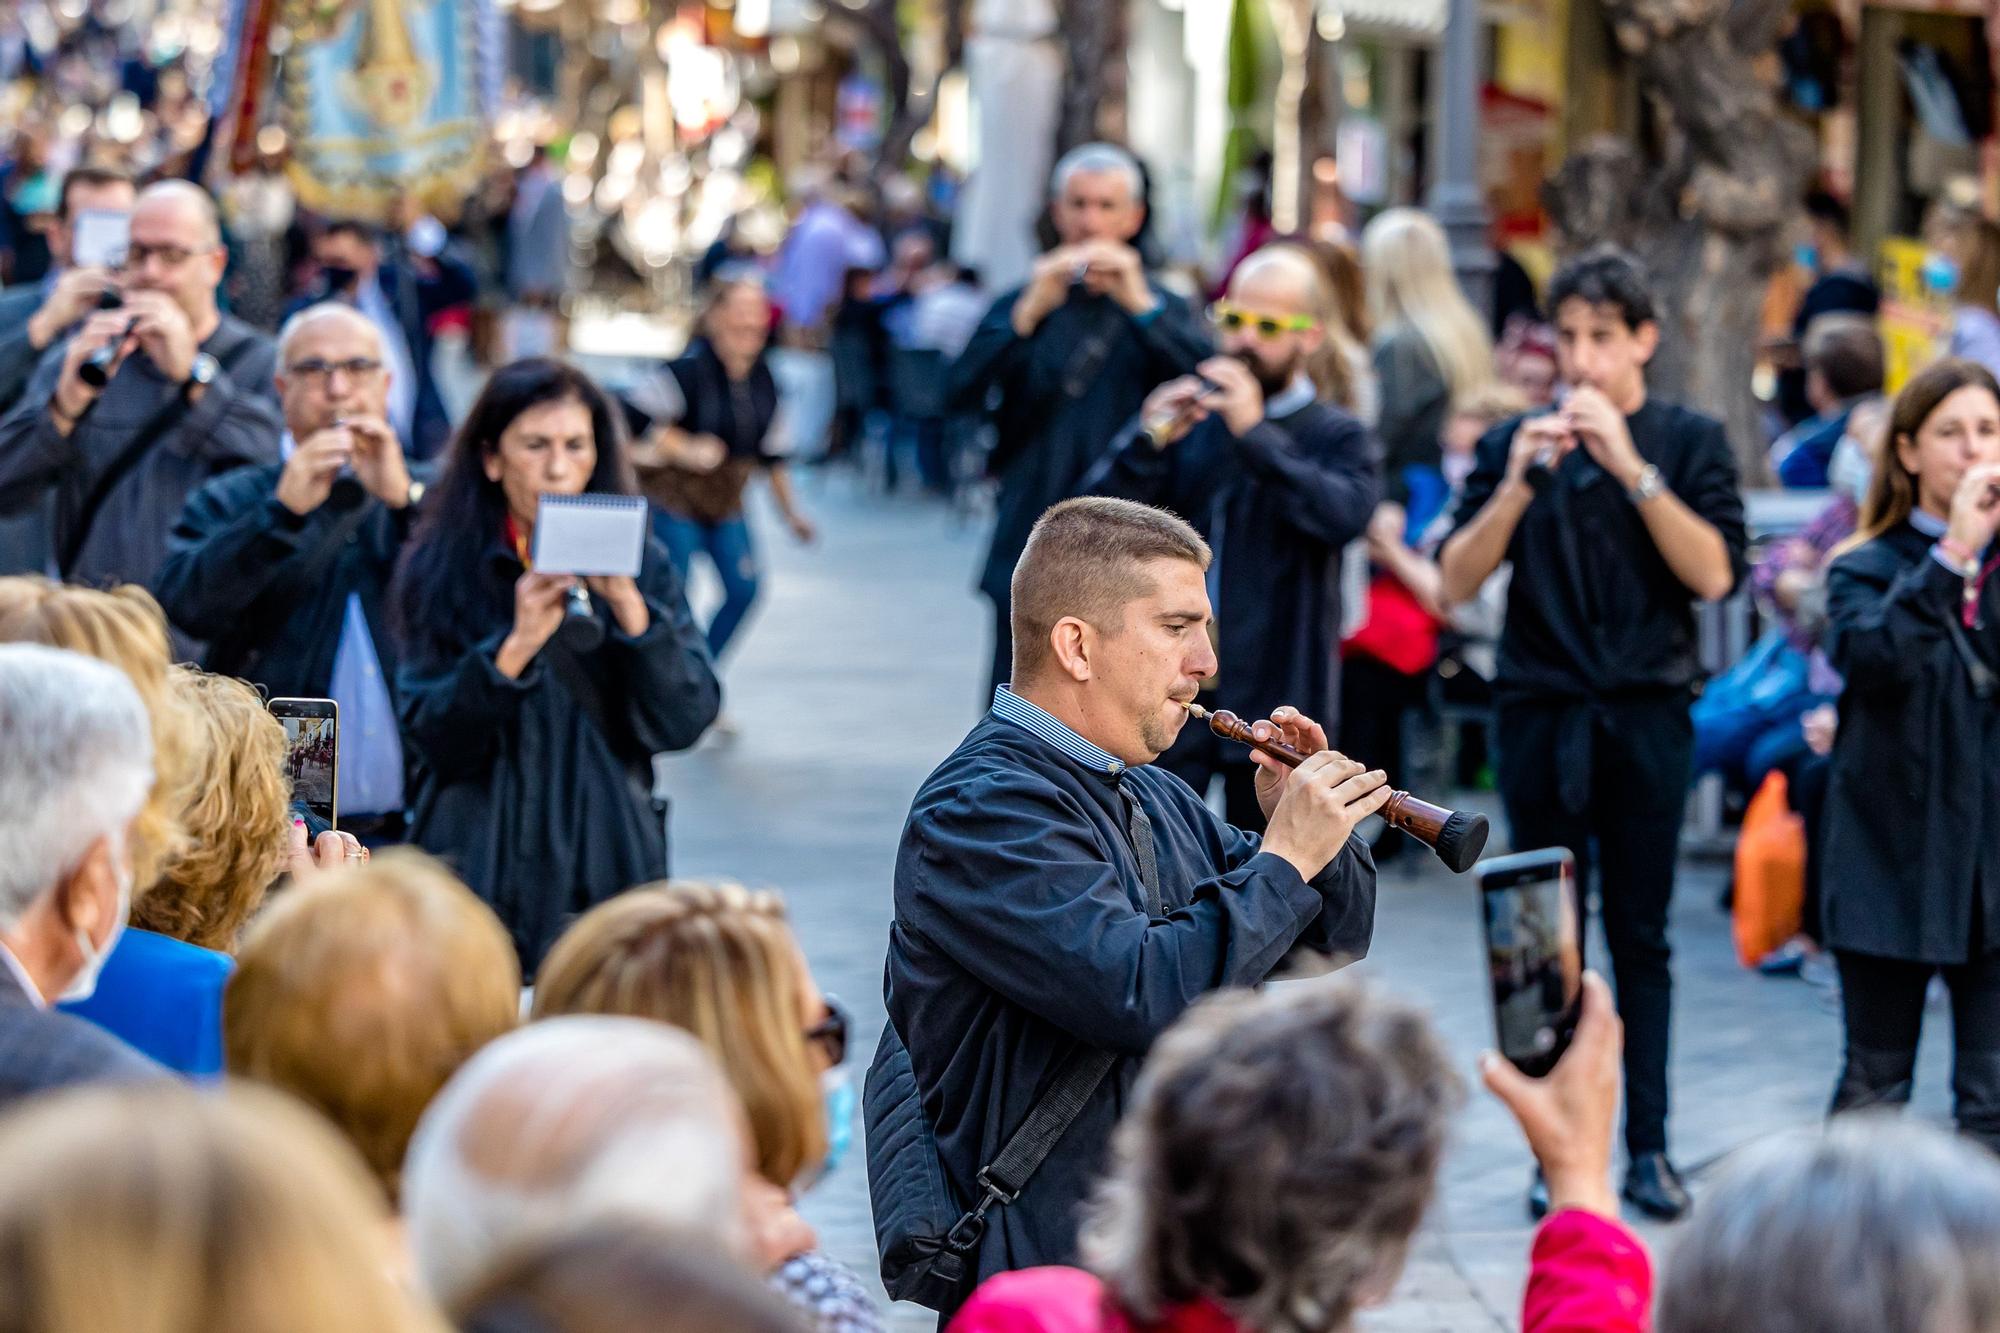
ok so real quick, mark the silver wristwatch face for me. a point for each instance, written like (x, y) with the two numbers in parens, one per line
(203, 370)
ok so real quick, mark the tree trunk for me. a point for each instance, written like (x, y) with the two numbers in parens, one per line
(876, 24)
(1705, 205)
(1093, 37)
(917, 112)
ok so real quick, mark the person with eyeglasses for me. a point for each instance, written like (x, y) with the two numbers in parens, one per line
(1059, 364)
(1277, 480)
(284, 568)
(185, 394)
(34, 315)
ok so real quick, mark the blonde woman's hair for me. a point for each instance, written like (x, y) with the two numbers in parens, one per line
(1411, 285)
(157, 1208)
(236, 820)
(719, 961)
(362, 992)
(1331, 365)
(125, 627)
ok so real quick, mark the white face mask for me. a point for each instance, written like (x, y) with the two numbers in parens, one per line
(1849, 472)
(84, 984)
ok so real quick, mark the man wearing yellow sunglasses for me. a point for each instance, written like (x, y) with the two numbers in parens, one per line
(1278, 480)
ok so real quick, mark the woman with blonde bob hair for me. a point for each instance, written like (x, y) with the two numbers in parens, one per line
(125, 627)
(157, 1209)
(1432, 350)
(720, 961)
(363, 991)
(162, 986)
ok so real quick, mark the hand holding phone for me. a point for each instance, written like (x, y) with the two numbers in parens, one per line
(1570, 1116)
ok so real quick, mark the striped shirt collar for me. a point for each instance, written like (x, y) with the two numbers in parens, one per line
(1011, 707)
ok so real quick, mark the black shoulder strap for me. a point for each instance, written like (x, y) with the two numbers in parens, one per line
(1985, 682)
(136, 448)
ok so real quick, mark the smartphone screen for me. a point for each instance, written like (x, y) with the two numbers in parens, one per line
(312, 753)
(1533, 954)
(99, 237)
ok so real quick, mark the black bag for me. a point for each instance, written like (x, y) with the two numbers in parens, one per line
(929, 1247)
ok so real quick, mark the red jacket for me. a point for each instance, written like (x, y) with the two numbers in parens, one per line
(1589, 1275)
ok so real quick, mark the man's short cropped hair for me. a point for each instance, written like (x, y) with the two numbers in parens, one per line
(1846, 350)
(94, 177)
(1606, 276)
(1094, 159)
(1083, 559)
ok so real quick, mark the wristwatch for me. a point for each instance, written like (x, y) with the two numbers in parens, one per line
(1650, 484)
(202, 372)
(415, 493)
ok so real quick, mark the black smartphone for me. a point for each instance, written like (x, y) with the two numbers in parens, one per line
(312, 753)
(1533, 954)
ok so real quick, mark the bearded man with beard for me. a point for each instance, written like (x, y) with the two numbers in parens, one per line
(1277, 480)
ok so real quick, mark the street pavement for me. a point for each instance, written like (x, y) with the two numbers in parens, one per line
(862, 666)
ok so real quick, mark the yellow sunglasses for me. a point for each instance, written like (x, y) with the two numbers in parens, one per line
(1230, 318)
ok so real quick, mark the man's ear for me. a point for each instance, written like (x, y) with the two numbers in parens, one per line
(89, 893)
(1072, 641)
(1647, 335)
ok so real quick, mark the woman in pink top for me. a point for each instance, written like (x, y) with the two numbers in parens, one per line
(1279, 1155)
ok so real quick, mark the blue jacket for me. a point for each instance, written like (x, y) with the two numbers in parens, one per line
(163, 997)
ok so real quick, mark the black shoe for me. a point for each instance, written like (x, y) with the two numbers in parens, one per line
(1654, 1188)
(1538, 1196)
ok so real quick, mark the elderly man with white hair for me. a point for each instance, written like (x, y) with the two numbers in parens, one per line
(577, 1121)
(1069, 357)
(283, 568)
(76, 764)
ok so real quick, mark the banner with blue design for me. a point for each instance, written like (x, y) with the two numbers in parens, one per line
(384, 99)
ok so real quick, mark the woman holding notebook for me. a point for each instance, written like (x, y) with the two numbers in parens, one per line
(534, 734)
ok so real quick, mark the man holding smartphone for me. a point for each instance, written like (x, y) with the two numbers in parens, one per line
(1617, 510)
(95, 208)
(283, 567)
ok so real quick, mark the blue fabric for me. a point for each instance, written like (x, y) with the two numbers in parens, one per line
(1427, 493)
(727, 545)
(1011, 707)
(1748, 711)
(1805, 451)
(371, 745)
(164, 998)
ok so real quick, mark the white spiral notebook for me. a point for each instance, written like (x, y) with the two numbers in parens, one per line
(589, 534)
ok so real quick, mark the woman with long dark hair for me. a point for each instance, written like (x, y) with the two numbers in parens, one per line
(535, 755)
(1911, 877)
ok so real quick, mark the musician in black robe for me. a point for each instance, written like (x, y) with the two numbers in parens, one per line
(1060, 364)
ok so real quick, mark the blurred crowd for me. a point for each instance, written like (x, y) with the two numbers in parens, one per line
(531, 1082)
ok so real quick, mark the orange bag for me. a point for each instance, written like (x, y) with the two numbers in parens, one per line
(1770, 872)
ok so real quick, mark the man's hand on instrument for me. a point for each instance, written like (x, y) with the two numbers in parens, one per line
(1295, 729)
(1321, 803)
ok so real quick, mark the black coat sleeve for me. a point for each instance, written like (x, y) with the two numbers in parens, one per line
(1328, 484)
(1008, 878)
(1172, 337)
(989, 358)
(233, 542)
(1133, 469)
(666, 686)
(1345, 926)
(1886, 621)
(455, 712)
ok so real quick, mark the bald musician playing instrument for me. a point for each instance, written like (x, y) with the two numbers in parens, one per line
(1060, 900)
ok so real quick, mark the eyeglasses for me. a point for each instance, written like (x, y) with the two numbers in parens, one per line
(360, 368)
(1230, 318)
(170, 256)
(830, 1033)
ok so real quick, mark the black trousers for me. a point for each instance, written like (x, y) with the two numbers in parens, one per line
(1882, 1006)
(1609, 782)
(1808, 788)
